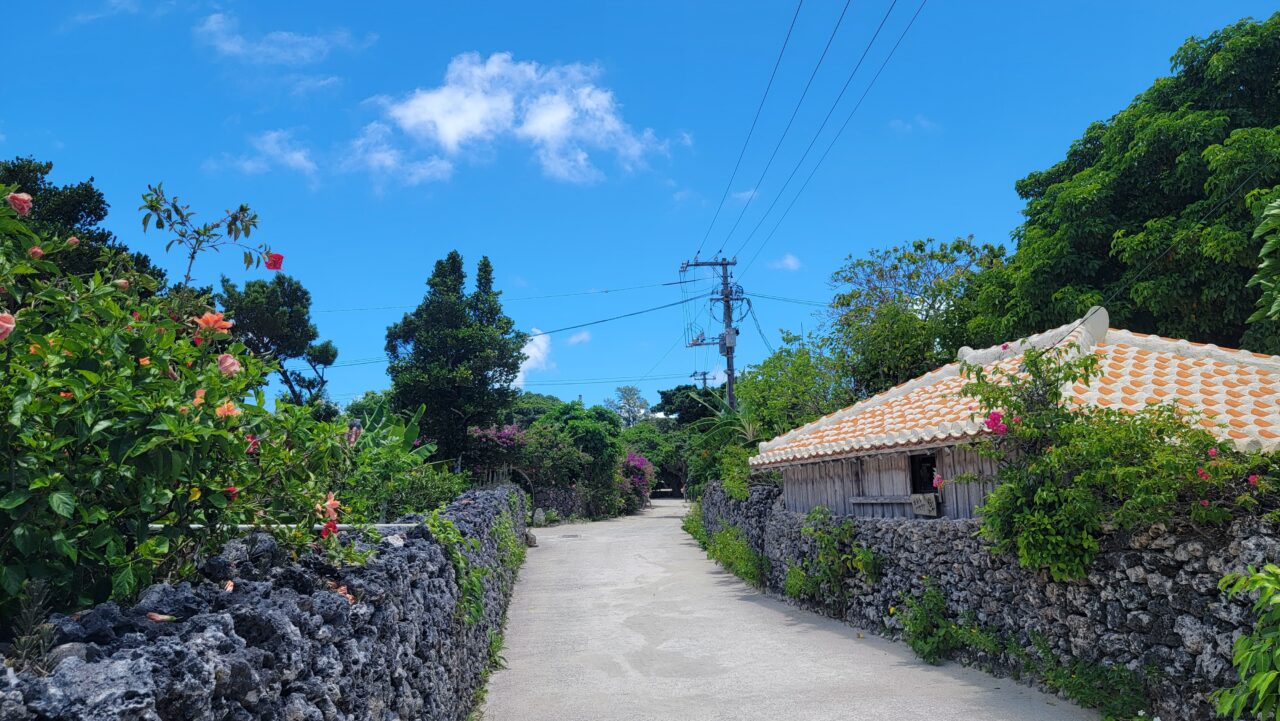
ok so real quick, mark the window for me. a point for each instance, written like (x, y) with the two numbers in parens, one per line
(922, 470)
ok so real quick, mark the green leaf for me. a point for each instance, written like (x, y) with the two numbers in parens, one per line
(62, 503)
(14, 498)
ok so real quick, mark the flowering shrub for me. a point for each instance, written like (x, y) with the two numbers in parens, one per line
(637, 476)
(1067, 473)
(119, 412)
(496, 446)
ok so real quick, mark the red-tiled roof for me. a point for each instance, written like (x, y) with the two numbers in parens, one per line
(1236, 392)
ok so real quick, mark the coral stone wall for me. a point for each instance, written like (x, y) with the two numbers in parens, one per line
(283, 643)
(1150, 600)
(566, 502)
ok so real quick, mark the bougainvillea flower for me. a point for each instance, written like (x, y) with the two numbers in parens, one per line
(227, 409)
(7, 324)
(274, 261)
(36, 252)
(1253, 479)
(253, 443)
(1004, 346)
(73, 242)
(228, 364)
(199, 397)
(1204, 475)
(938, 481)
(213, 321)
(232, 492)
(1213, 452)
(20, 202)
(198, 340)
(329, 529)
(1204, 502)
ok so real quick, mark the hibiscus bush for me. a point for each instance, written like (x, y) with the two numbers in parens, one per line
(1068, 473)
(129, 446)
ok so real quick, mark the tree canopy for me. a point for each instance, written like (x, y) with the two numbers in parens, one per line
(1152, 211)
(273, 318)
(457, 354)
(75, 209)
(629, 403)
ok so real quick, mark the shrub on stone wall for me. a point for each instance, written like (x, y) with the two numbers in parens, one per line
(1068, 472)
(265, 636)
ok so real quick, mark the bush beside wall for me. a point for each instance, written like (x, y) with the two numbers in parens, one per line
(284, 642)
(1149, 608)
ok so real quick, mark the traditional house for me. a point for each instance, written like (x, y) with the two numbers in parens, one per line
(878, 457)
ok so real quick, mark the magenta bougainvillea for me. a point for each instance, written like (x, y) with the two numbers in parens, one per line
(637, 472)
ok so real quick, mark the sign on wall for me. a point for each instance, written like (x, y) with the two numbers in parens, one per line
(924, 504)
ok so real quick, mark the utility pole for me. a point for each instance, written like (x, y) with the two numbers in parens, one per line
(700, 376)
(730, 293)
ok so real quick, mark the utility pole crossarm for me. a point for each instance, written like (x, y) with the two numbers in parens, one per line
(728, 340)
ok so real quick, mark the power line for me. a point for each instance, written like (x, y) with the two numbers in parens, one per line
(835, 138)
(752, 310)
(372, 361)
(583, 381)
(822, 126)
(750, 132)
(798, 301)
(791, 120)
(510, 300)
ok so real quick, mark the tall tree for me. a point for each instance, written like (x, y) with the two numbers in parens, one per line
(687, 403)
(76, 209)
(630, 405)
(457, 354)
(903, 311)
(1152, 211)
(273, 318)
(798, 383)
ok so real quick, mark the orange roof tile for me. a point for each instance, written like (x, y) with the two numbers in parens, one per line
(1234, 391)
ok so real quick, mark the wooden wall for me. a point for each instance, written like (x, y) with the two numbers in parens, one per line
(879, 485)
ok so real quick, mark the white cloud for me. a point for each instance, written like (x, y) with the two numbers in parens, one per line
(685, 138)
(786, 262)
(684, 195)
(537, 357)
(919, 122)
(558, 109)
(373, 151)
(272, 149)
(744, 195)
(280, 47)
(580, 337)
(110, 8)
(306, 84)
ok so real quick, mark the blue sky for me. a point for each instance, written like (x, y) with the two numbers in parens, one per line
(580, 145)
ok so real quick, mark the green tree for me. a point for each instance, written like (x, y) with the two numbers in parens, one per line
(76, 209)
(902, 312)
(686, 403)
(798, 383)
(629, 403)
(1268, 275)
(1148, 211)
(529, 407)
(457, 354)
(576, 446)
(665, 449)
(273, 318)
